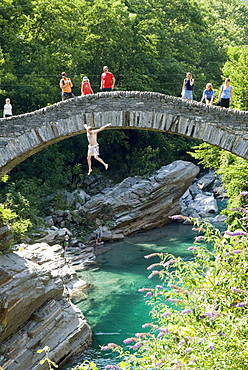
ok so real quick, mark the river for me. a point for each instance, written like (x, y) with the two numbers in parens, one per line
(113, 306)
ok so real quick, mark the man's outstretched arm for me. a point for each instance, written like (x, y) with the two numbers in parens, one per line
(102, 128)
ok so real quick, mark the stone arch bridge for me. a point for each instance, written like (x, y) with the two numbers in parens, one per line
(22, 136)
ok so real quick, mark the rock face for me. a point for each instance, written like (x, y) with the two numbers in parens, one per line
(199, 201)
(138, 204)
(35, 310)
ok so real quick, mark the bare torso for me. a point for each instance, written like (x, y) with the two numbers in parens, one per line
(92, 138)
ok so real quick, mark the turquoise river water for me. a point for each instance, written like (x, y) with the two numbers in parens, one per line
(113, 307)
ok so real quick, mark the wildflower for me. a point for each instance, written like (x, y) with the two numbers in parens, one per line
(236, 251)
(243, 193)
(241, 304)
(164, 330)
(114, 367)
(159, 287)
(235, 233)
(189, 349)
(137, 345)
(159, 363)
(155, 272)
(165, 314)
(244, 218)
(153, 265)
(178, 217)
(161, 334)
(234, 209)
(169, 262)
(108, 346)
(143, 289)
(182, 342)
(211, 315)
(129, 340)
(152, 255)
(201, 341)
(187, 310)
(236, 290)
(141, 335)
(147, 325)
(190, 248)
(173, 300)
(244, 211)
(211, 345)
(200, 237)
(148, 294)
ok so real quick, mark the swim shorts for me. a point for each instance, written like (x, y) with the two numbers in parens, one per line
(93, 150)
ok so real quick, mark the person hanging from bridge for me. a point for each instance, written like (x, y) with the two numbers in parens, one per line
(208, 94)
(66, 85)
(107, 80)
(93, 147)
(188, 85)
(86, 88)
(225, 95)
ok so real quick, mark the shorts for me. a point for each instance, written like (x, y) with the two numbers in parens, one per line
(187, 94)
(7, 115)
(93, 150)
(224, 103)
(107, 89)
(67, 95)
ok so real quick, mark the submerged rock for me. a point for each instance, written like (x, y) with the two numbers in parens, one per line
(35, 310)
(138, 204)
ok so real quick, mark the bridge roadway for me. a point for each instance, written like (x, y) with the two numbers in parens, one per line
(22, 136)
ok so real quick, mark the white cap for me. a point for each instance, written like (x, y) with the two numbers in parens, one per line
(85, 78)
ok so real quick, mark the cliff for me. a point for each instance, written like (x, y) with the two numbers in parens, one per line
(35, 310)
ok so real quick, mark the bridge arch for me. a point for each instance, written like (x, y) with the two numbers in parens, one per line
(24, 135)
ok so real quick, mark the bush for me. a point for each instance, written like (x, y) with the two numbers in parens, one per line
(199, 313)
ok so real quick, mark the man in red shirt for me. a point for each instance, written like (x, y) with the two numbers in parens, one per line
(107, 80)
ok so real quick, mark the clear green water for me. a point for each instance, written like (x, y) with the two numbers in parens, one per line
(114, 308)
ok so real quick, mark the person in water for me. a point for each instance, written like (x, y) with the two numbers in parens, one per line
(208, 95)
(188, 85)
(225, 95)
(93, 147)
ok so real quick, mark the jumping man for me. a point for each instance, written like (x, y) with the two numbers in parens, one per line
(93, 148)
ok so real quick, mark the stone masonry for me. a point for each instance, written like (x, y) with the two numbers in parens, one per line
(22, 136)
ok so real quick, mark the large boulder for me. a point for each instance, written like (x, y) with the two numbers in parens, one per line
(35, 310)
(138, 204)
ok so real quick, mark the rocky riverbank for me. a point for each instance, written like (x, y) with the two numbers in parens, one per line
(35, 309)
(36, 282)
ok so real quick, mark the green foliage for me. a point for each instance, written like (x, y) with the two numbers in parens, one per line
(47, 360)
(236, 68)
(148, 44)
(233, 171)
(199, 314)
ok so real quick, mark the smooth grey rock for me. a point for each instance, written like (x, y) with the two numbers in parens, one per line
(34, 310)
(204, 204)
(220, 218)
(138, 204)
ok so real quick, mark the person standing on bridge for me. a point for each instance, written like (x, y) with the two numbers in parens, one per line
(187, 89)
(107, 80)
(93, 147)
(66, 85)
(7, 109)
(225, 95)
(86, 88)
